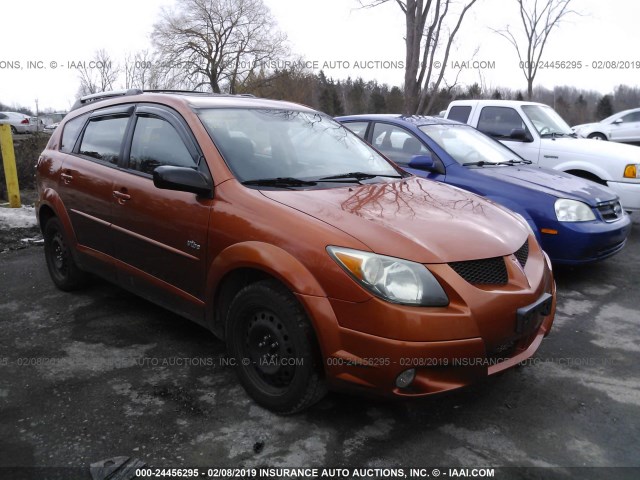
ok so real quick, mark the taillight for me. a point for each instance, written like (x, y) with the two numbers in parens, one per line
(25, 121)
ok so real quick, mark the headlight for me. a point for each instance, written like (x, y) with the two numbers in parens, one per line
(573, 211)
(392, 279)
(632, 171)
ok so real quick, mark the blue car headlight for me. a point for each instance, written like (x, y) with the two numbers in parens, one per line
(573, 211)
(392, 279)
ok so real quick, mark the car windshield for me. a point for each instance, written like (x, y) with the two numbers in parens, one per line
(467, 145)
(546, 120)
(292, 148)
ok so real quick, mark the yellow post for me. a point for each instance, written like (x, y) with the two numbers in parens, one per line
(9, 161)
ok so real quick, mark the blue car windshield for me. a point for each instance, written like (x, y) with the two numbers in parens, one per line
(295, 146)
(467, 145)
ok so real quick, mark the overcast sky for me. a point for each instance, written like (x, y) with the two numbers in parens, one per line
(61, 31)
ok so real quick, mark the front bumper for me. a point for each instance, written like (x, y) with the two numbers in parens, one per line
(585, 242)
(629, 194)
(365, 346)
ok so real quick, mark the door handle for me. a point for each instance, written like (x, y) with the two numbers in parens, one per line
(122, 197)
(66, 178)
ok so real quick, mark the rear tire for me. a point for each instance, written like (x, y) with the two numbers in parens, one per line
(597, 136)
(64, 271)
(274, 346)
(13, 130)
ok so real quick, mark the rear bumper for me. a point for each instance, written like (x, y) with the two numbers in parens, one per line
(629, 194)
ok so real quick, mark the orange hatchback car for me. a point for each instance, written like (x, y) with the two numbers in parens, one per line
(319, 262)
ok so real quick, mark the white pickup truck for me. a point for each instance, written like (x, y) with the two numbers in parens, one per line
(537, 133)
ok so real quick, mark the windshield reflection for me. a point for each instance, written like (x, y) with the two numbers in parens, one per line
(546, 120)
(269, 144)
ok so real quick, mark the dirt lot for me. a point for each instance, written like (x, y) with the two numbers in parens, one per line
(100, 373)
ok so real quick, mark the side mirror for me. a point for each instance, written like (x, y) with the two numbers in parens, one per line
(422, 162)
(520, 134)
(618, 121)
(182, 179)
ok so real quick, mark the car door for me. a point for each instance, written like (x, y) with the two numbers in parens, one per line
(628, 130)
(499, 122)
(160, 235)
(401, 146)
(91, 146)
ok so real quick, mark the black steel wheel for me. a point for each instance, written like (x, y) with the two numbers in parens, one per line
(62, 268)
(275, 349)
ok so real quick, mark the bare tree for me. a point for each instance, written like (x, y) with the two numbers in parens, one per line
(539, 17)
(428, 36)
(218, 43)
(99, 74)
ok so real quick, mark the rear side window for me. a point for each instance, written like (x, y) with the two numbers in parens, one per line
(499, 121)
(359, 128)
(103, 137)
(459, 114)
(156, 143)
(632, 117)
(70, 133)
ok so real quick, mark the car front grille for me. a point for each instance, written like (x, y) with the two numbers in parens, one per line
(489, 271)
(610, 211)
(522, 254)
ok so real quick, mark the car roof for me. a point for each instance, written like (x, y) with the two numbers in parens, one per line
(495, 103)
(417, 120)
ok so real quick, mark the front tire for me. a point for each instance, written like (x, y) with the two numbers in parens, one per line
(64, 271)
(272, 341)
(597, 136)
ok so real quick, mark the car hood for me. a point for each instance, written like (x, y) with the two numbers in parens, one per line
(552, 182)
(593, 148)
(415, 219)
(583, 125)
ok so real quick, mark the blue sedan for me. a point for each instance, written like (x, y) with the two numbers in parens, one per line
(575, 220)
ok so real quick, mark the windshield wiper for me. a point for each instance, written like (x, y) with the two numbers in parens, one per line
(515, 162)
(480, 163)
(356, 176)
(280, 182)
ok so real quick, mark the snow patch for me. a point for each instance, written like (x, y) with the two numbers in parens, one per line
(23, 217)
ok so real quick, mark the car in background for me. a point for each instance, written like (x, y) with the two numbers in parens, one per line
(537, 133)
(318, 261)
(20, 123)
(576, 221)
(620, 127)
(51, 127)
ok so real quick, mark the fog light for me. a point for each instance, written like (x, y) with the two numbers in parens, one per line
(405, 378)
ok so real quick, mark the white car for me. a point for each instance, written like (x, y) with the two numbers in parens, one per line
(620, 127)
(537, 133)
(20, 123)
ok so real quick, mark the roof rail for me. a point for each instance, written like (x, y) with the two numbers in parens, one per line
(199, 92)
(96, 97)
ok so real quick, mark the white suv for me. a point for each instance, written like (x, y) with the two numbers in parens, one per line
(537, 133)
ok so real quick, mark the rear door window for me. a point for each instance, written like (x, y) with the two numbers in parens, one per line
(499, 121)
(102, 139)
(359, 128)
